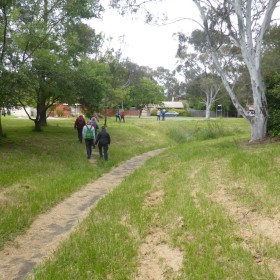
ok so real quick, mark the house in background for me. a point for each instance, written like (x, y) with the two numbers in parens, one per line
(64, 110)
(172, 105)
(167, 105)
(19, 111)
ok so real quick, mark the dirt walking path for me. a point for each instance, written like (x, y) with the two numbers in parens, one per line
(49, 229)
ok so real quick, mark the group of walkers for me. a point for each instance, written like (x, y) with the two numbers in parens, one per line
(89, 132)
(161, 113)
(120, 116)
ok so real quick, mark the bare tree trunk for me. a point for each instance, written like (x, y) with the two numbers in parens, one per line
(4, 28)
(207, 112)
(37, 126)
(258, 129)
(208, 105)
(43, 117)
(259, 121)
(3, 51)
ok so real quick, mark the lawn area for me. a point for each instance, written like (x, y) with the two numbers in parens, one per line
(180, 204)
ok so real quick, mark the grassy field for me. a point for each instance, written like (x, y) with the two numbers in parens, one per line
(172, 196)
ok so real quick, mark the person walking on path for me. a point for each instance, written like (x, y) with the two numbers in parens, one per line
(79, 124)
(89, 136)
(122, 116)
(158, 114)
(103, 140)
(117, 115)
(163, 115)
(95, 115)
(94, 123)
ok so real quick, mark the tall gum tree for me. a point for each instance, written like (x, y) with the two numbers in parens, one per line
(245, 23)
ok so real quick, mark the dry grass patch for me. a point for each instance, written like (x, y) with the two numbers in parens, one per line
(154, 199)
(3, 200)
(253, 227)
(157, 260)
(125, 221)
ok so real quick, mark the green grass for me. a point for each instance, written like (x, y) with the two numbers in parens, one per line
(202, 157)
(39, 169)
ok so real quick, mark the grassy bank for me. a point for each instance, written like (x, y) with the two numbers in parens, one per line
(171, 196)
(38, 170)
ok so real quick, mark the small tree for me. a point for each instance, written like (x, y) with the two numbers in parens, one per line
(203, 83)
(145, 92)
(92, 84)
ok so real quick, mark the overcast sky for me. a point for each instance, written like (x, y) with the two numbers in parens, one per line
(144, 44)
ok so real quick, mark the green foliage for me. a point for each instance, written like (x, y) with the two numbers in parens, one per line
(180, 111)
(173, 88)
(145, 92)
(92, 82)
(60, 113)
(154, 112)
(272, 78)
(81, 40)
(270, 61)
(46, 41)
(273, 101)
(213, 129)
(201, 131)
(82, 9)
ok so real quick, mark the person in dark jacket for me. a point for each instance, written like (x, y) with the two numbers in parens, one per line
(80, 122)
(122, 116)
(103, 140)
(118, 116)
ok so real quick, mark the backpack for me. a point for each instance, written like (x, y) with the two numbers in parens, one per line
(89, 133)
(80, 123)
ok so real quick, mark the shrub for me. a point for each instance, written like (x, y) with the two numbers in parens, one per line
(212, 130)
(181, 112)
(60, 113)
(273, 101)
(154, 112)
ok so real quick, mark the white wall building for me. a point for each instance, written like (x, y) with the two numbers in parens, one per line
(19, 111)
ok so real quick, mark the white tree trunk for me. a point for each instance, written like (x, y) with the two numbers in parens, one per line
(242, 35)
(259, 121)
(210, 89)
(207, 113)
(258, 128)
